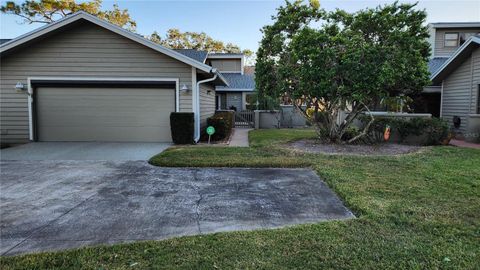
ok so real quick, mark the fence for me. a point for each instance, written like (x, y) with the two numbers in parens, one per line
(245, 119)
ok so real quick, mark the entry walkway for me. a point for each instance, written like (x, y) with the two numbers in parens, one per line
(240, 137)
(465, 144)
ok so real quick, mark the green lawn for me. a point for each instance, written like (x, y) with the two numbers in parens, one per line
(417, 211)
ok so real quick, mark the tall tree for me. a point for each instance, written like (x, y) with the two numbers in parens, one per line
(339, 62)
(176, 39)
(47, 11)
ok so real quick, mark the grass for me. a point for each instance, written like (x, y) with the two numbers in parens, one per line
(417, 211)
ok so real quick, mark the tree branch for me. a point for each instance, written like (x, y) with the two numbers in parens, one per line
(366, 128)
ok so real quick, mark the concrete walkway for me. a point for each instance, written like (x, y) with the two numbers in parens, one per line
(52, 205)
(83, 151)
(460, 143)
(240, 137)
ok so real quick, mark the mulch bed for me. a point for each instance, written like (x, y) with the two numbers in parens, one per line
(313, 146)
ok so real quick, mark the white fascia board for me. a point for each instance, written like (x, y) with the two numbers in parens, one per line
(114, 28)
(456, 24)
(234, 89)
(457, 52)
(220, 56)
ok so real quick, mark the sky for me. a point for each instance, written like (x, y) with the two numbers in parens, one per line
(239, 22)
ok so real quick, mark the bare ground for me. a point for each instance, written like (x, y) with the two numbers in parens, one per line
(313, 146)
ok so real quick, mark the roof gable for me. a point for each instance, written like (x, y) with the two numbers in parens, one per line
(455, 60)
(114, 28)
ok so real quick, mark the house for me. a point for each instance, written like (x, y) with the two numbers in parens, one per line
(240, 78)
(84, 79)
(455, 75)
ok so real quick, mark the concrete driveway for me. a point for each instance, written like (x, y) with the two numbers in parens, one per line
(83, 151)
(52, 205)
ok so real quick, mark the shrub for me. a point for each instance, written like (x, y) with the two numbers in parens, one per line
(228, 116)
(182, 127)
(223, 124)
(435, 129)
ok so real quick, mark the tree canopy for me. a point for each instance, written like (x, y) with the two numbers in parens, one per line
(176, 39)
(336, 62)
(47, 11)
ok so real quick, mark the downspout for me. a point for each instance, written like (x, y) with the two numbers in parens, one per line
(197, 103)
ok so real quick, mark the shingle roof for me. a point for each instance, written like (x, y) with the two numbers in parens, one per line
(4, 40)
(200, 56)
(238, 81)
(435, 63)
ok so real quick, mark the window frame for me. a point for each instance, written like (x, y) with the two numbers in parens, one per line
(457, 40)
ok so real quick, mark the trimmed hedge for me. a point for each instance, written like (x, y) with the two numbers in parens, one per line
(223, 124)
(436, 130)
(182, 127)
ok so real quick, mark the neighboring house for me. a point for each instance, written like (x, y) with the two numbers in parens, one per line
(84, 79)
(240, 78)
(455, 74)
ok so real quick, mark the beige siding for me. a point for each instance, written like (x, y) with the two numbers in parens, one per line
(440, 49)
(84, 51)
(227, 65)
(207, 102)
(460, 91)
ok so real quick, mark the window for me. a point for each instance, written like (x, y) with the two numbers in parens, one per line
(451, 39)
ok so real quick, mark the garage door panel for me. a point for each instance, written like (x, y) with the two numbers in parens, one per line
(104, 114)
(122, 134)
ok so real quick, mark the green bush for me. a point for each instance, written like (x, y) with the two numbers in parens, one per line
(223, 124)
(182, 127)
(228, 116)
(435, 129)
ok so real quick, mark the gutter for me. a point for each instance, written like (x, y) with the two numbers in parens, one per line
(197, 103)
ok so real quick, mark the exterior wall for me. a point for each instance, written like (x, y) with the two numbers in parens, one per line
(234, 99)
(460, 91)
(227, 65)
(207, 103)
(440, 49)
(84, 51)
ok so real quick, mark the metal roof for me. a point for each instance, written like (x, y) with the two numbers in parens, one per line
(4, 40)
(435, 63)
(238, 82)
(199, 56)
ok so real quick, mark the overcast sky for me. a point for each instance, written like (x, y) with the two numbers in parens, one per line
(239, 22)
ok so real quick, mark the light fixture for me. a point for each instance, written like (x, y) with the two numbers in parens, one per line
(19, 87)
(184, 88)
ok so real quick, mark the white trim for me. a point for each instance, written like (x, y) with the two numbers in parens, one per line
(242, 64)
(194, 89)
(224, 56)
(455, 24)
(231, 71)
(441, 100)
(457, 52)
(234, 89)
(197, 102)
(133, 79)
(114, 28)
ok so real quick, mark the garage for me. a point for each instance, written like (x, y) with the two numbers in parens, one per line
(92, 112)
